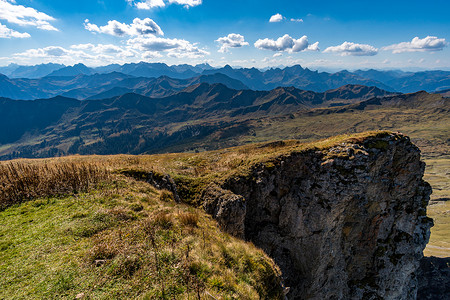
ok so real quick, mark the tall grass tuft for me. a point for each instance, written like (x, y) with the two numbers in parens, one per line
(20, 181)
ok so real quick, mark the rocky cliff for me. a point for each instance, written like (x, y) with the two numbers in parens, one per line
(434, 278)
(343, 222)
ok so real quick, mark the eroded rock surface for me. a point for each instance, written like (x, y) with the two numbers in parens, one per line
(344, 223)
(227, 208)
(434, 278)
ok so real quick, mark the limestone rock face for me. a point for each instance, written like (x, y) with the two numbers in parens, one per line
(227, 208)
(344, 223)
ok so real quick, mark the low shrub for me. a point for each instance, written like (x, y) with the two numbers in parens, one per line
(189, 219)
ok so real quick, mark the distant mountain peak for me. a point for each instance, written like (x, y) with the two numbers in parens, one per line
(74, 70)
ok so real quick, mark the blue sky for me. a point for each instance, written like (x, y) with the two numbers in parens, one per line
(316, 34)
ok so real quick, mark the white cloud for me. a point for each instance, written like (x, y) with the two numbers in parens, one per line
(313, 47)
(278, 54)
(276, 18)
(173, 47)
(297, 20)
(25, 16)
(186, 2)
(47, 52)
(100, 54)
(430, 43)
(105, 49)
(353, 49)
(149, 4)
(137, 28)
(287, 43)
(137, 49)
(151, 54)
(8, 33)
(233, 40)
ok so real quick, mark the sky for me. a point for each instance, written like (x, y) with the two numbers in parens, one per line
(332, 35)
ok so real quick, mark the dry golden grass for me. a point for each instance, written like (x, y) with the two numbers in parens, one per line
(21, 180)
(189, 218)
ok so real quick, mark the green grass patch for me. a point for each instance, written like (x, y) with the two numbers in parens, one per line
(119, 242)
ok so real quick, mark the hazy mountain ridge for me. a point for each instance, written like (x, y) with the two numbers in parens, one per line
(267, 79)
(35, 71)
(409, 82)
(98, 86)
(295, 76)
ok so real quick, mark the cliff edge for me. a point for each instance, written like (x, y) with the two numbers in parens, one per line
(346, 221)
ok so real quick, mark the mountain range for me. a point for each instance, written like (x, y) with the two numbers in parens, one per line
(68, 77)
(100, 86)
(133, 123)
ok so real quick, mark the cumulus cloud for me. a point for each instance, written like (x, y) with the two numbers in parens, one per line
(430, 43)
(105, 49)
(347, 48)
(8, 33)
(186, 2)
(233, 40)
(136, 49)
(143, 41)
(297, 20)
(47, 52)
(25, 16)
(178, 48)
(137, 28)
(287, 43)
(149, 4)
(313, 47)
(99, 54)
(276, 18)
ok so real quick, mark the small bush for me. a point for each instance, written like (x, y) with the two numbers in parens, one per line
(189, 219)
(166, 196)
(163, 220)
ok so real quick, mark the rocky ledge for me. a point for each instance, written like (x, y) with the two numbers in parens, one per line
(345, 222)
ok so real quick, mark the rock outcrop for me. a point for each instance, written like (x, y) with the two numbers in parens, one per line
(227, 208)
(434, 278)
(348, 222)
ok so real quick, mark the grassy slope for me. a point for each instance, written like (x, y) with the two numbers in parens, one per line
(122, 241)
